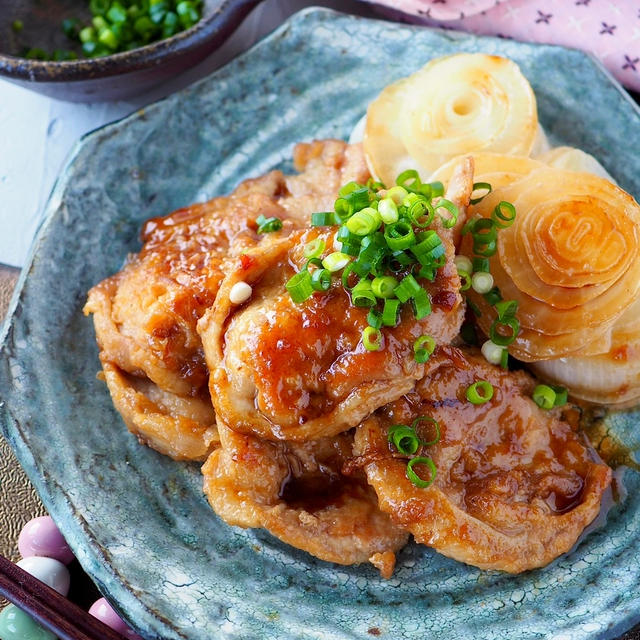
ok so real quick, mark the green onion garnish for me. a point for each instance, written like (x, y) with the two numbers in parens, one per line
(404, 439)
(374, 318)
(480, 264)
(336, 261)
(415, 478)
(499, 337)
(384, 286)
(407, 288)
(492, 352)
(364, 222)
(423, 347)
(268, 225)
(421, 304)
(561, 396)
(314, 248)
(493, 296)
(464, 264)
(390, 312)
(300, 286)
(448, 221)
(544, 396)
(479, 392)
(321, 280)
(399, 235)
(323, 219)
(465, 280)
(482, 282)
(506, 308)
(388, 210)
(372, 339)
(503, 215)
(361, 294)
(480, 186)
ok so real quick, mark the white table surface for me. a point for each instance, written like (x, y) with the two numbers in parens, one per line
(37, 133)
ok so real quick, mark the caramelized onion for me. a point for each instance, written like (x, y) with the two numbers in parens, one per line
(459, 104)
(571, 260)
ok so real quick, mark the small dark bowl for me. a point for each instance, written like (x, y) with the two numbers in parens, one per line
(113, 77)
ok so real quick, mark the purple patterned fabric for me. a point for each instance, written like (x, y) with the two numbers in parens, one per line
(609, 29)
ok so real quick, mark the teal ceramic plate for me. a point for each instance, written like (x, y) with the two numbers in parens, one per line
(137, 521)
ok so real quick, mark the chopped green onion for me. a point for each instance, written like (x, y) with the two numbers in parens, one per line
(418, 420)
(374, 318)
(384, 286)
(421, 304)
(409, 180)
(506, 308)
(399, 235)
(390, 312)
(562, 396)
(397, 194)
(500, 338)
(348, 188)
(372, 339)
(493, 297)
(429, 247)
(492, 352)
(479, 392)
(544, 396)
(420, 211)
(504, 361)
(361, 294)
(449, 221)
(480, 186)
(388, 210)
(268, 225)
(314, 248)
(323, 219)
(465, 280)
(415, 478)
(300, 287)
(504, 214)
(336, 261)
(485, 237)
(464, 264)
(321, 280)
(480, 264)
(423, 348)
(482, 282)
(364, 222)
(407, 288)
(436, 189)
(404, 439)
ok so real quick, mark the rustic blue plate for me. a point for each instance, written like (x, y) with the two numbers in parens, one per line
(137, 521)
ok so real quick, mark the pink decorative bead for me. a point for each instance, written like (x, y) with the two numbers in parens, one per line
(102, 610)
(41, 537)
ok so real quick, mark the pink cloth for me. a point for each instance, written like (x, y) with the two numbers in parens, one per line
(609, 29)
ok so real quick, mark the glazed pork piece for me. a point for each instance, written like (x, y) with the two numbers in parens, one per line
(297, 492)
(145, 315)
(282, 370)
(515, 485)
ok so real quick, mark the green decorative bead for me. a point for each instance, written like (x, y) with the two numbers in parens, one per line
(15, 624)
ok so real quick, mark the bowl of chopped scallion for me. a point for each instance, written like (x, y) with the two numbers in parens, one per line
(91, 50)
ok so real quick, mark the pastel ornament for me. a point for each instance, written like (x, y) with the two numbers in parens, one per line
(48, 570)
(41, 537)
(15, 624)
(102, 610)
